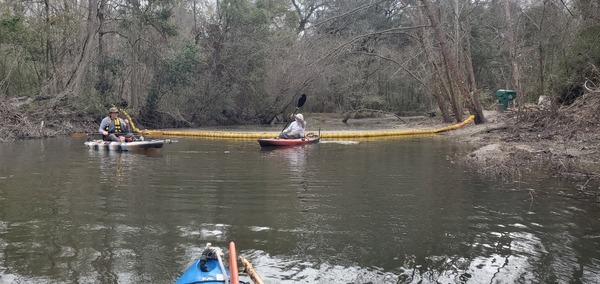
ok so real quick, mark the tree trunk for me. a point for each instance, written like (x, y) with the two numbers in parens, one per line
(48, 43)
(437, 80)
(458, 45)
(196, 29)
(439, 97)
(444, 76)
(468, 55)
(101, 56)
(454, 71)
(76, 79)
(512, 52)
(457, 33)
(541, 50)
(469, 63)
(136, 78)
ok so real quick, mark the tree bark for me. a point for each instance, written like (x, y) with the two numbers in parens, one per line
(101, 55)
(457, 31)
(454, 71)
(512, 52)
(468, 55)
(435, 74)
(541, 51)
(48, 48)
(469, 63)
(76, 78)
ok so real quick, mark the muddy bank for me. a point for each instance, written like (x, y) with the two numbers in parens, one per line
(562, 142)
(27, 118)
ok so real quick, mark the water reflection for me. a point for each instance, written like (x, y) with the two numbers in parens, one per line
(113, 164)
(295, 157)
(292, 159)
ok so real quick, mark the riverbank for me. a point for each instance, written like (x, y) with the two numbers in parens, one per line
(563, 142)
(28, 118)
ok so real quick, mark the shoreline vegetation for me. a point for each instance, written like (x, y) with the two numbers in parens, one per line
(562, 141)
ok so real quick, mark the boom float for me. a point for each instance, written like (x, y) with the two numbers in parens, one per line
(339, 135)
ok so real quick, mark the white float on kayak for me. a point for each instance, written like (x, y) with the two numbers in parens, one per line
(125, 146)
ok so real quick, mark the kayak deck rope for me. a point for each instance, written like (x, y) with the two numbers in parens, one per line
(213, 252)
(259, 135)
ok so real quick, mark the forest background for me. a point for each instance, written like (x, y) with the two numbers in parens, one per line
(193, 63)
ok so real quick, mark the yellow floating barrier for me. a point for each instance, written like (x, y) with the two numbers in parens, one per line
(258, 135)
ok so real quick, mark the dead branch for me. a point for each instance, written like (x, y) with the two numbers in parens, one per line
(248, 268)
(591, 89)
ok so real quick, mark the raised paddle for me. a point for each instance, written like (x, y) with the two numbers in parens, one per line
(301, 102)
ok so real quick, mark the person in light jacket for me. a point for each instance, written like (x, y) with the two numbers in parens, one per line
(296, 128)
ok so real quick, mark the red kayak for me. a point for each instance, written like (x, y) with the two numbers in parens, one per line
(277, 142)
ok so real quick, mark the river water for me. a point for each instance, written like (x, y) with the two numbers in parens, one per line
(369, 211)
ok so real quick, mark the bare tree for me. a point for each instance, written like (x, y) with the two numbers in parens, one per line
(76, 79)
(304, 10)
(437, 80)
(457, 77)
(512, 52)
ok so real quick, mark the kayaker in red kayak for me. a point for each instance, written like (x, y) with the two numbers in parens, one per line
(296, 128)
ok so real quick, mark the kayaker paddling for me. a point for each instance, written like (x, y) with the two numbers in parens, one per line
(296, 128)
(292, 135)
(114, 128)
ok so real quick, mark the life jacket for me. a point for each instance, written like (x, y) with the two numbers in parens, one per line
(114, 126)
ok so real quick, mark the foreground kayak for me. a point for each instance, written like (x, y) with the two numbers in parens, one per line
(124, 146)
(210, 268)
(207, 271)
(277, 142)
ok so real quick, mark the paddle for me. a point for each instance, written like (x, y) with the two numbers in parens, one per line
(301, 102)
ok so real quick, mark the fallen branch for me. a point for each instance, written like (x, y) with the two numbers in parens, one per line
(248, 268)
(591, 89)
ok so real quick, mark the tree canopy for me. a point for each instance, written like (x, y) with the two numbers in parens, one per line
(176, 63)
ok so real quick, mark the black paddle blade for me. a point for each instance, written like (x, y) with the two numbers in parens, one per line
(302, 100)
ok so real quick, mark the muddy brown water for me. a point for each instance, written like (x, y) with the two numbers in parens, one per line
(368, 211)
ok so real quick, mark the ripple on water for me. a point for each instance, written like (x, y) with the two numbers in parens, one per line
(204, 230)
(259, 229)
(288, 270)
